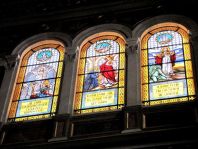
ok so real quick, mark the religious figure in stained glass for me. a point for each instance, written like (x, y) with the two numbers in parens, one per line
(37, 86)
(101, 75)
(166, 58)
(108, 73)
(91, 81)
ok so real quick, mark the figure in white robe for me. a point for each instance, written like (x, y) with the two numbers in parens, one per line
(167, 60)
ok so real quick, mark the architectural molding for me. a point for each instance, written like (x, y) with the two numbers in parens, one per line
(65, 39)
(131, 46)
(70, 54)
(144, 25)
(10, 61)
(124, 31)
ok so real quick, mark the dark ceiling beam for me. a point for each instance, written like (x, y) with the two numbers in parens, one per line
(78, 13)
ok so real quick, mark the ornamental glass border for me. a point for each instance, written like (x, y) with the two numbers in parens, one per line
(101, 75)
(166, 66)
(37, 86)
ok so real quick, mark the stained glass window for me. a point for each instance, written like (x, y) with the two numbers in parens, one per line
(37, 86)
(166, 66)
(101, 75)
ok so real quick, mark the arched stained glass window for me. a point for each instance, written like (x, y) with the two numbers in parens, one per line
(166, 65)
(37, 86)
(101, 75)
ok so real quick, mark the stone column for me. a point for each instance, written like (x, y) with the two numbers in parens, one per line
(132, 111)
(194, 56)
(194, 53)
(65, 104)
(133, 73)
(11, 65)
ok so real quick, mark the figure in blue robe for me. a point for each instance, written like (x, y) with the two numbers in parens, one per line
(91, 81)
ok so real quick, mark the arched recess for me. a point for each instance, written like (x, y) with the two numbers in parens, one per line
(166, 60)
(100, 77)
(37, 82)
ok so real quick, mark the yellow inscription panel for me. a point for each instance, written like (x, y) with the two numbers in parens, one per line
(99, 98)
(33, 107)
(168, 89)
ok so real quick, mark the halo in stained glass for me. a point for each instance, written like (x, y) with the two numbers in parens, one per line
(38, 82)
(164, 38)
(102, 47)
(44, 55)
(99, 81)
(166, 68)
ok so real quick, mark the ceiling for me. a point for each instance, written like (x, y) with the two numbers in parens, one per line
(20, 19)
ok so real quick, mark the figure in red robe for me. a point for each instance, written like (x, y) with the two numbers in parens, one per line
(108, 72)
(167, 60)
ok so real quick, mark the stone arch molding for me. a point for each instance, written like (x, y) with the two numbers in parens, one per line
(182, 20)
(149, 24)
(88, 34)
(14, 62)
(117, 28)
(61, 37)
(72, 47)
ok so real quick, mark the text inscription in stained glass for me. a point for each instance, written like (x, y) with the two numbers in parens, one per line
(166, 72)
(37, 84)
(100, 75)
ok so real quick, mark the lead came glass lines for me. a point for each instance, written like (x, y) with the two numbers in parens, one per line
(101, 75)
(38, 82)
(166, 71)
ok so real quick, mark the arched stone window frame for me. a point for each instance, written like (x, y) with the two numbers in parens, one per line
(81, 38)
(12, 67)
(140, 29)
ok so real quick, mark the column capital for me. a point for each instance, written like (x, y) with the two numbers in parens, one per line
(9, 61)
(132, 46)
(70, 53)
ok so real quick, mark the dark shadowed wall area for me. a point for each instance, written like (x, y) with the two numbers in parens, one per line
(74, 23)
